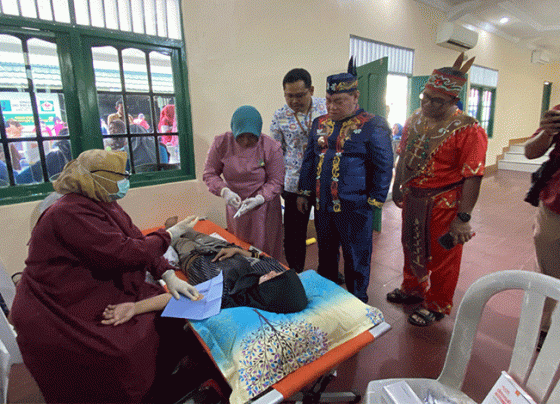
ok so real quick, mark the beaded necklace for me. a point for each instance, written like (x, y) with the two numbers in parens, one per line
(419, 149)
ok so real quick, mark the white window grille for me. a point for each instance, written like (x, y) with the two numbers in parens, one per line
(150, 17)
(483, 76)
(401, 60)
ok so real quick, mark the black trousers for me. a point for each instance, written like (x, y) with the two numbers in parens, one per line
(182, 364)
(295, 231)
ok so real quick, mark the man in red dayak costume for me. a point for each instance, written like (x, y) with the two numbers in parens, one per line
(439, 172)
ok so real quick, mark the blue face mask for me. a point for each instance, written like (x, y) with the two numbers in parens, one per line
(124, 186)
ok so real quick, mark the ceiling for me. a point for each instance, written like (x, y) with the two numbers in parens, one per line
(533, 24)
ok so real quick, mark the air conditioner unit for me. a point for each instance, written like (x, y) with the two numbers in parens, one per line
(456, 37)
(540, 57)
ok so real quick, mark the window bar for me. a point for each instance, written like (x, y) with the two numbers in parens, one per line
(36, 8)
(479, 106)
(130, 154)
(72, 12)
(7, 155)
(165, 21)
(151, 93)
(34, 109)
(104, 12)
(155, 18)
(490, 130)
(143, 16)
(19, 8)
(39, 136)
(90, 22)
(125, 108)
(52, 10)
(118, 15)
(130, 16)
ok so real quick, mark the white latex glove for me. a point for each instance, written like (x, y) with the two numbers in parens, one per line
(180, 228)
(249, 204)
(231, 197)
(178, 286)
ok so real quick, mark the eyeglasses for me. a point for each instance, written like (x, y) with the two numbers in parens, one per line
(435, 101)
(126, 174)
(298, 96)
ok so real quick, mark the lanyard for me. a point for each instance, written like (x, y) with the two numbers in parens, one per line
(307, 120)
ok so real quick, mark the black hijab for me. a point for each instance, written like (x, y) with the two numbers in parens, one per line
(282, 294)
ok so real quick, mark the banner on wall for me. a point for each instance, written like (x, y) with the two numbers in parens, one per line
(18, 106)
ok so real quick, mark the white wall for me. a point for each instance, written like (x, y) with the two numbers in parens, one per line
(238, 52)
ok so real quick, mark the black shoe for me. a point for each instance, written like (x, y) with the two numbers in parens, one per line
(398, 296)
(340, 279)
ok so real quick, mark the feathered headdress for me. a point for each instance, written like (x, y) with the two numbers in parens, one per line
(450, 80)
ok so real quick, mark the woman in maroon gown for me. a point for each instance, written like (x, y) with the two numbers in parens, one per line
(84, 254)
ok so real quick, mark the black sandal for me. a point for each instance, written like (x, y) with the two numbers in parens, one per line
(398, 296)
(422, 317)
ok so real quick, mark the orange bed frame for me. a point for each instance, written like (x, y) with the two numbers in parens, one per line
(312, 372)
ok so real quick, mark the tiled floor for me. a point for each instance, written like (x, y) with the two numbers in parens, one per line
(503, 226)
(503, 223)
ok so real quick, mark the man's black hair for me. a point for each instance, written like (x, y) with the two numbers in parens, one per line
(118, 125)
(296, 75)
(117, 103)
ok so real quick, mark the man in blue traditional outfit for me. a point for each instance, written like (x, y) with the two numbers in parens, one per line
(347, 166)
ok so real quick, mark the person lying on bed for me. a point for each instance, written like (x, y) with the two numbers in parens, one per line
(249, 279)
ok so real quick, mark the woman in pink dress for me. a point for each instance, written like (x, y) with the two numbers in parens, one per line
(246, 168)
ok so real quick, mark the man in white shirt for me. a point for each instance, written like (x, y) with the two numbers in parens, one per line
(290, 126)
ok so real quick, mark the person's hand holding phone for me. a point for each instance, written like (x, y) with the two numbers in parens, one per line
(550, 122)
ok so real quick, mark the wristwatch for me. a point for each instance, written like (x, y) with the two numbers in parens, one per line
(464, 217)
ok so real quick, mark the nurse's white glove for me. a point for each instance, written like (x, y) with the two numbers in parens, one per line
(180, 228)
(178, 286)
(231, 197)
(249, 204)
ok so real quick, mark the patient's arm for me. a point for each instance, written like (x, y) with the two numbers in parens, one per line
(228, 252)
(115, 314)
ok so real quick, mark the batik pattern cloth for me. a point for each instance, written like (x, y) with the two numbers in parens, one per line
(293, 137)
(255, 349)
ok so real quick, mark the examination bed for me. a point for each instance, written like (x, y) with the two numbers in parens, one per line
(267, 357)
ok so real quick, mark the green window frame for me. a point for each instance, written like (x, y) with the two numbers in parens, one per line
(74, 45)
(482, 106)
(481, 103)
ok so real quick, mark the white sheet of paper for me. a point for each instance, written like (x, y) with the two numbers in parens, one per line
(206, 307)
(216, 235)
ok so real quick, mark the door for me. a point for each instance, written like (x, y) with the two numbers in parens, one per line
(372, 84)
(417, 84)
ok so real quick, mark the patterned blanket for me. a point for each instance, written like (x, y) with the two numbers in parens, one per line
(255, 349)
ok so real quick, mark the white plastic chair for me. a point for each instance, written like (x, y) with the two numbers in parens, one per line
(7, 287)
(9, 350)
(535, 372)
